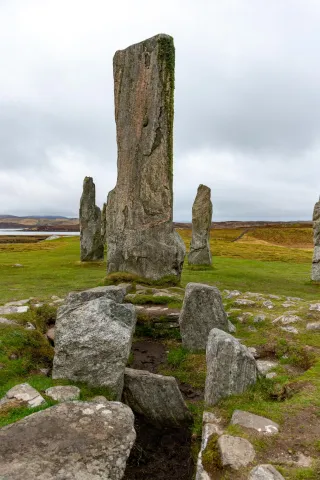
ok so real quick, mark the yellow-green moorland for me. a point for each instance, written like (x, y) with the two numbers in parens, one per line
(274, 261)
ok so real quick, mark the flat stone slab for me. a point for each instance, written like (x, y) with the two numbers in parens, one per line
(256, 422)
(7, 310)
(242, 302)
(5, 321)
(313, 326)
(287, 319)
(315, 307)
(290, 329)
(156, 397)
(25, 393)
(235, 452)
(71, 440)
(265, 472)
(264, 366)
(63, 393)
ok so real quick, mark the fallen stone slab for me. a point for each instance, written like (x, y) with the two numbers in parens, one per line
(156, 397)
(72, 440)
(25, 393)
(231, 293)
(93, 342)
(256, 422)
(5, 321)
(315, 307)
(231, 368)
(18, 303)
(202, 310)
(287, 319)
(313, 326)
(265, 472)
(290, 329)
(235, 452)
(7, 310)
(268, 304)
(157, 314)
(242, 302)
(63, 393)
(264, 366)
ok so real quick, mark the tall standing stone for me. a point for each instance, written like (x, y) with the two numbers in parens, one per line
(104, 223)
(201, 223)
(91, 246)
(140, 234)
(315, 275)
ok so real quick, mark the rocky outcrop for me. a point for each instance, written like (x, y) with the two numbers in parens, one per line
(156, 397)
(104, 223)
(202, 310)
(315, 273)
(74, 440)
(140, 235)
(91, 245)
(231, 368)
(93, 341)
(201, 223)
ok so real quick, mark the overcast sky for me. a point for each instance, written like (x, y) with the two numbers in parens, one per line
(247, 102)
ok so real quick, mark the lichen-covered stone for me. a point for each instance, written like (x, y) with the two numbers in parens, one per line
(91, 245)
(315, 273)
(201, 223)
(235, 452)
(104, 223)
(93, 342)
(156, 397)
(140, 235)
(265, 472)
(262, 425)
(63, 393)
(202, 310)
(25, 393)
(231, 368)
(72, 440)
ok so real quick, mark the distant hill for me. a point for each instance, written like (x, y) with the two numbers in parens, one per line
(39, 222)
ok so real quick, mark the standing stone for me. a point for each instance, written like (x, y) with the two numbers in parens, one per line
(140, 234)
(315, 274)
(202, 310)
(201, 223)
(91, 246)
(72, 440)
(93, 342)
(104, 223)
(231, 368)
(157, 397)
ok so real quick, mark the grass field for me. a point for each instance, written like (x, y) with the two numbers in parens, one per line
(53, 268)
(265, 260)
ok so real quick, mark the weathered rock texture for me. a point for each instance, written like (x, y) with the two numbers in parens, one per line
(265, 472)
(63, 393)
(25, 393)
(157, 397)
(202, 310)
(91, 245)
(93, 342)
(231, 368)
(72, 440)
(250, 420)
(104, 223)
(236, 452)
(140, 235)
(201, 223)
(315, 274)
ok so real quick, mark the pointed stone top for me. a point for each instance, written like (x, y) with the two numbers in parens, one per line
(151, 40)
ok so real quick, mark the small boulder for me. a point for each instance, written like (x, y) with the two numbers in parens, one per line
(268, 304)
(235, 452)
(231, 368)
(202, 310)
(231, 327)
(313, 326)
(242, 302)
(315, 307)
(156, 397)
(264, 366)
(265, 472)
(72, 440)
(290, 329)
(256, 422)
(259, 318)
(26, 393)
(287, 319)
(93, 342)
(63, 393)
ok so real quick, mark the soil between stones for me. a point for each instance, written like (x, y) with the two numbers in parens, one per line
(160, 454)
